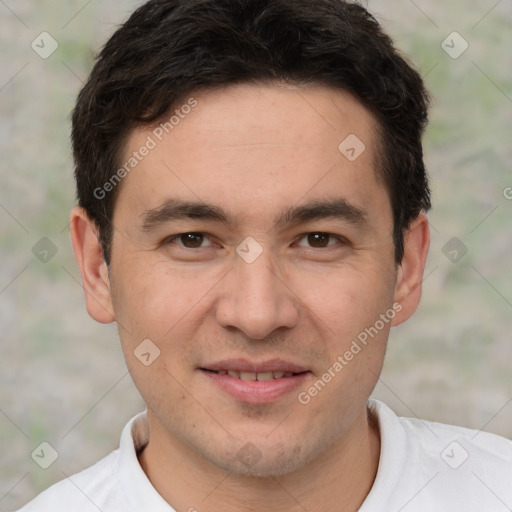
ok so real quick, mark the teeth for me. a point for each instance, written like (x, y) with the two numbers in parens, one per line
(265, 376)
(247, 376)
(261, 376)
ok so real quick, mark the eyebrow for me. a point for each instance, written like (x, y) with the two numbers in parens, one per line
(173, 209)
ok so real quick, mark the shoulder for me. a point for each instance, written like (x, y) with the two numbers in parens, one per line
(89, 490)
(469, 467)
(104, 485)
(460, 444)
(117, 483)
(426, 466)
(446, 442)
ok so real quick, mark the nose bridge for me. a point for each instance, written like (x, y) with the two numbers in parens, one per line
(256, 300)
(259, 278)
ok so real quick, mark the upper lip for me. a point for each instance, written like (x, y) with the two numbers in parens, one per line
(245, 365)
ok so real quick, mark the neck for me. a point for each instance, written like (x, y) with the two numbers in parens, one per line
(337, 480)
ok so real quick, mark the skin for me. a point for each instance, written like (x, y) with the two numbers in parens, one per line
(255, 150)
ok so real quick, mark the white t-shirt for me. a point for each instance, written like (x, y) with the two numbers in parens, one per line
(423, 467)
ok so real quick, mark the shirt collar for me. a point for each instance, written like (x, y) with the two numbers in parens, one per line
(393, 452)
(140, 493)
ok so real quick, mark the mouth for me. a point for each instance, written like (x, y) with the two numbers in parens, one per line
(252, 376)
(256, 383)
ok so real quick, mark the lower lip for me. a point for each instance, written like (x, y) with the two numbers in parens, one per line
(254, 391)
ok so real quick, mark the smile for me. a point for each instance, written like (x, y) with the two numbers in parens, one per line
(260, 376)
(252, 382)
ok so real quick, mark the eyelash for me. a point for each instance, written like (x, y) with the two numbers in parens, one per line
(171, 239)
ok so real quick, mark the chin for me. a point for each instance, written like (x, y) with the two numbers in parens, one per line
(271, 461)
(263, 468)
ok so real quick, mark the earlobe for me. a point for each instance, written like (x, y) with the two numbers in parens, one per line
(411, 269)
(88, 253)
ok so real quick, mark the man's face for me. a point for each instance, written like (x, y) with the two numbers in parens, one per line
(255, 152)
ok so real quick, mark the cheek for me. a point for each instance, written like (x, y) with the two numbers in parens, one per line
(346, 300)
(152, 303)
(152, 298)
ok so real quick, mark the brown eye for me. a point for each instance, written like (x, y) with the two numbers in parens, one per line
(188, 240)
(192, 240)
(318, 239)
(322, 240)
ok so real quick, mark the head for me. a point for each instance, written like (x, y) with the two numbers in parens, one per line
(285, 138)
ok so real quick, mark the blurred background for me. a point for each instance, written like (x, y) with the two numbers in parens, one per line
(63, 378)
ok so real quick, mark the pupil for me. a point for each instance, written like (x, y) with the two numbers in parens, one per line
(317, 239)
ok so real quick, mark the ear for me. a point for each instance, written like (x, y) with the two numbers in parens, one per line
(410, 271)
(88, 253)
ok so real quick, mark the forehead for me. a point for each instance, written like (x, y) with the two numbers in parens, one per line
(251, 146)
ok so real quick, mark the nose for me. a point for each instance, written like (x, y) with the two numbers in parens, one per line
(257, 299)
